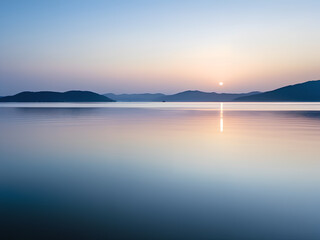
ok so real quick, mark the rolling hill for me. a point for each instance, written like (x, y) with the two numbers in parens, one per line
(46, 96)
(198, 96)
(143, 97)
(302, 92)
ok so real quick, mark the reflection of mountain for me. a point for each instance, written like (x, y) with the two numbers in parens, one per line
(304, 114)
(71, 96)
(303, 92)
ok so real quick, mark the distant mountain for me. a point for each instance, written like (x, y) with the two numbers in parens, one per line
(198, 96)
(144, 97)
(303, 92)
(45, 96)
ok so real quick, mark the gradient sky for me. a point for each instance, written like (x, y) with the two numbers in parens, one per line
(157, 46)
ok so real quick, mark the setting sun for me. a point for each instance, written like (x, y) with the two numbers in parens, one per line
(221, 83)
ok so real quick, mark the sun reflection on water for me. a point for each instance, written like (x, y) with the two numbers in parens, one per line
(221, 117)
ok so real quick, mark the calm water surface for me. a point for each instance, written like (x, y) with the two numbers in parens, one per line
(160, 171)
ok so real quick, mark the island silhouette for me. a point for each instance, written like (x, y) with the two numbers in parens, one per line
(48, 96)
(302, 92)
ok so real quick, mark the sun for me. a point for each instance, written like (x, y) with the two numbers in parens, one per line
(221, 83)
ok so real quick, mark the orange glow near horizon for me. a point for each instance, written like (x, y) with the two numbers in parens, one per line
(113, 48)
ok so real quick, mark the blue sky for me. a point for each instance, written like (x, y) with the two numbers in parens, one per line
(157, 46)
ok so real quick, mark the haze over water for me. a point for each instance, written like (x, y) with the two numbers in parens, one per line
(161, 170)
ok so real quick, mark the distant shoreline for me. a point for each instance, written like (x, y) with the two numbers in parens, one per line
(303, 92)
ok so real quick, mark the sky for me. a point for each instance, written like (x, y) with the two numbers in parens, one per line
(135, 46)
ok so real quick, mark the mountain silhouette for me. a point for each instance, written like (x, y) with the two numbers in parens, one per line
(46, 96)
(143, 97)
(302, 92)
(198, 96)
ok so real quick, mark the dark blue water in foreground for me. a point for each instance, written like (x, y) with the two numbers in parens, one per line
(144, 171)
